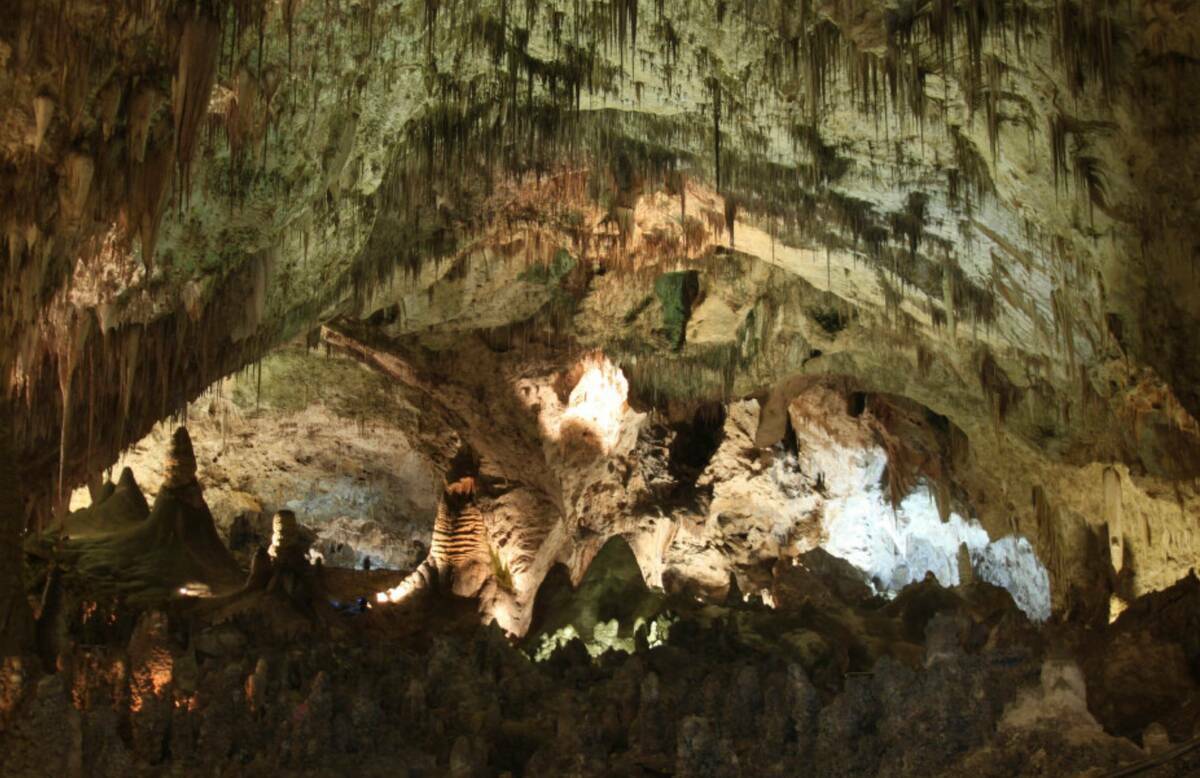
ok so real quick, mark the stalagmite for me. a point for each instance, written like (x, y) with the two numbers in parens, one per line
(179, 469)
(291, 573)
(588, 379)
(966, 571)
(285, 533)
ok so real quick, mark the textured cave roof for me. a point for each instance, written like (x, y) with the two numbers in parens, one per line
(1000, 197)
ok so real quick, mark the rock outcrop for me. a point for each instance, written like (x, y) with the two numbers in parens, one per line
(787, 304)
(974, 208)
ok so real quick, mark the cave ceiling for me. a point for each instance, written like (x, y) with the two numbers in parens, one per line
(986, 207)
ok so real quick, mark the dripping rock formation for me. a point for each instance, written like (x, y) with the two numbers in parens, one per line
(625, 387)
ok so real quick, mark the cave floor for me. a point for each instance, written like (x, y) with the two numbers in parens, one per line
(311, 678)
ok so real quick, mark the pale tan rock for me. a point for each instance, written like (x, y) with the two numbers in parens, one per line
(1155, 739)
(43, 111)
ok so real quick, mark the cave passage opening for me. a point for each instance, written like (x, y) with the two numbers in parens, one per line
(310, 431)
(895, 546)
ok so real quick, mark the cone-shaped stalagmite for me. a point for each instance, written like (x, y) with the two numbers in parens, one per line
(180, 469)
(459, 560)
(291, 573)
(287, 542)
(116, 506)
(175, 546)
(180, 518)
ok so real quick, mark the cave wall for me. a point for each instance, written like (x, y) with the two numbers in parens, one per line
(987, 207)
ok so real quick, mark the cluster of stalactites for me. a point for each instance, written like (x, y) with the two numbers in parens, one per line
(527, 119)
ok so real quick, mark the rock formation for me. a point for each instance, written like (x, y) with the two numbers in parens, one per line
(769, 371)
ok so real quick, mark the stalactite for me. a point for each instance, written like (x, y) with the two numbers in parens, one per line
(715, 90)
(431, 16)
(1064, 329)
(948, 301)
(108, 103)
(78, 170)
(198, 48)
(1086, 41)
(999, 390)
(148, 186)
(1058, 149)
(43, 111)
(90, 382)
(731, 214)
(16, 621)
(142, 107)
(532, 128)
(1090, 182)
(128, 360)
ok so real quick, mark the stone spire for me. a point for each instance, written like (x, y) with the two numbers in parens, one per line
(285, 532)
(180, 467)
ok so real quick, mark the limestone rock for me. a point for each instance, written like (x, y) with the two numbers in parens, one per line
(180, 467)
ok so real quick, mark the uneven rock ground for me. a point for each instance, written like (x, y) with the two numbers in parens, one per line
(939, 682)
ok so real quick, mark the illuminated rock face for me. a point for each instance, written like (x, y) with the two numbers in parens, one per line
(595, 406)
(980, 212)
(559, 465)
(899, 546)
(797, 300)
